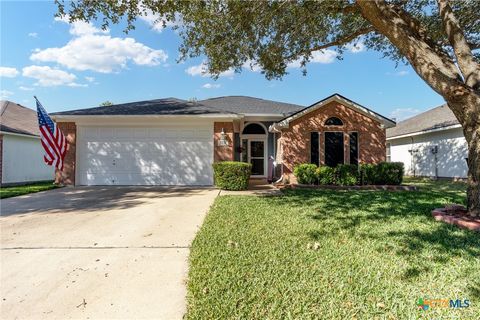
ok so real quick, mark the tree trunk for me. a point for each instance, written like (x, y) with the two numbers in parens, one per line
(439, 71)
(469, 106)
(473, 188)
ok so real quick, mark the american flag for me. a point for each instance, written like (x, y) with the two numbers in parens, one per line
(53, 140)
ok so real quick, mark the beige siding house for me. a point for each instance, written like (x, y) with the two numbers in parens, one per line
(430, 144)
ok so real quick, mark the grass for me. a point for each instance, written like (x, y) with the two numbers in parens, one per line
(14, 191)
(379, 252)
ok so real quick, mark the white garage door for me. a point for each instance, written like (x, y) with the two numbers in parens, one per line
(167, 155)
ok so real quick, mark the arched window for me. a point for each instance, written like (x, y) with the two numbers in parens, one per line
(253, 128)
(334, 121)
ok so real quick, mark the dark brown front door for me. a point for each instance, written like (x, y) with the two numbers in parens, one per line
(334, 148)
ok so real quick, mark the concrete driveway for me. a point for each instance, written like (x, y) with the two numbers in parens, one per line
(98, 252)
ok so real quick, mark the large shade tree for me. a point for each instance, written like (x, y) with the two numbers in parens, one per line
(438, 38)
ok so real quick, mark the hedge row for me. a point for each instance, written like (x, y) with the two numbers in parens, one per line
(389, 173)
(232, 175)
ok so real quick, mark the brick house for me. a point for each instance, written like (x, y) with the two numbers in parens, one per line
(174, 142)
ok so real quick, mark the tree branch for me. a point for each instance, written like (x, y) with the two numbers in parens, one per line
(474, 46)
(468, 66)
(436, 69)
(338, 42)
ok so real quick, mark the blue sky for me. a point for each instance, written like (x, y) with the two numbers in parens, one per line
(77, 66)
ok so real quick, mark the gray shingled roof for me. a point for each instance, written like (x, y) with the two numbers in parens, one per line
(435, 118)
(168, 106)
(251, 105)
(15, 118)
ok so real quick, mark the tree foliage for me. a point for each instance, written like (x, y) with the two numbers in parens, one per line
(106, 104)
(271, 34)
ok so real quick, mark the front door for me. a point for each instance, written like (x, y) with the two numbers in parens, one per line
(256, 156)
(334, 153)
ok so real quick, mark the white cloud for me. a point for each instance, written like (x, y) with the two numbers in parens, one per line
(356, 47)
(252, 66)
(403, 113)
(4, 94)
(90, 79)
(25, 88)
(80, 28)
(49, 77)
(33, 34)
(321, 56)
(8, 72)
(211, 86)
(201, 70)
(94, 49)
(74, 84)
(157, 23)
(400, 73)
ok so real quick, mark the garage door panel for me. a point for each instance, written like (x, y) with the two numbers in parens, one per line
(146, 156)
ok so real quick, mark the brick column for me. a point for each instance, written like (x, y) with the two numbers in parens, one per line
(221, 153)
(67, 176)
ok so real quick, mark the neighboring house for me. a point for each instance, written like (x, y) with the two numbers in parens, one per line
(430, 144)
(21, 150)
(174, 142)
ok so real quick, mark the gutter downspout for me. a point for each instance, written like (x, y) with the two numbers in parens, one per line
(412, 161)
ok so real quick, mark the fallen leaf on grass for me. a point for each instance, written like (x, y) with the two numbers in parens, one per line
(232, 244)
(313, 246)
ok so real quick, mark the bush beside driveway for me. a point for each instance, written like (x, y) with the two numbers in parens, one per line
(327, 254)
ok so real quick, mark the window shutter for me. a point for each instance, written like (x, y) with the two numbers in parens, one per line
(353, 148)
(314, 152)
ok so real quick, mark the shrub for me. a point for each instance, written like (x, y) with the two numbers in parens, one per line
(349, 174)
(325, 175)
(232, 175)
(389, 173)
(368, 174)
(346, 174)
(306, 173)
(382, 173)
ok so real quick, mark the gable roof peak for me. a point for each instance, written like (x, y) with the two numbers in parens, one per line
(284, 123)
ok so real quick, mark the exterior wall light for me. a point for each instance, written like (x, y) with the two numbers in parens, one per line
(223, 142)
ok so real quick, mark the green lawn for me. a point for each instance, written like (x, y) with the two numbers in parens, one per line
(379, 252)
(7, 192)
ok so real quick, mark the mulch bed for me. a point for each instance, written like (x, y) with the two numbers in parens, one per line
(366, 187)
(456, 217)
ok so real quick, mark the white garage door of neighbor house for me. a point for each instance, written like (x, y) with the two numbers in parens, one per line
(167, 155)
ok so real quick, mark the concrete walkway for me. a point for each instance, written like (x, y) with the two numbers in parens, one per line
(256, 187)
(98, 252)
